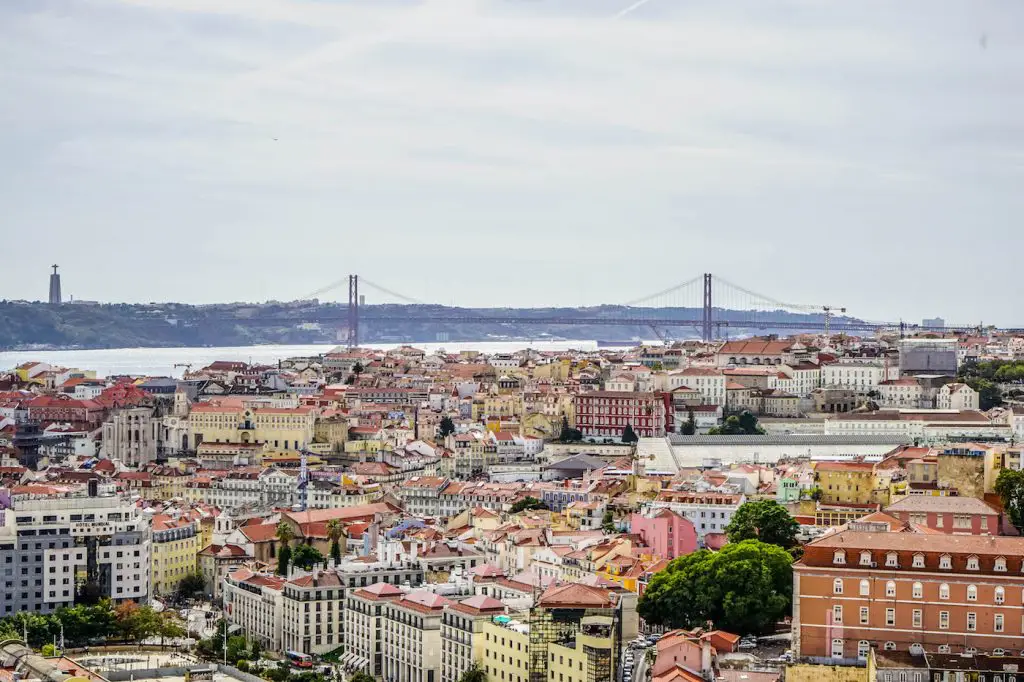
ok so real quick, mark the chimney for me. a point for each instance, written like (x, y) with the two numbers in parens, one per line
(705, 659)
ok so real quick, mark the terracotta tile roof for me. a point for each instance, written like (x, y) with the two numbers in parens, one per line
(423, 602)
(575, 595)
(378, 592)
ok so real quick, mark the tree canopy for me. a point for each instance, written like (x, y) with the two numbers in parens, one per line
(764, 520)
(569, 434)
(690, 425)
(745, 588)
(475, 673)
(192, 584)
(743, 424)
(629, 435)
(306, 557)
(1010, 488)
(334, 533)
(526, 504)
(446, 427)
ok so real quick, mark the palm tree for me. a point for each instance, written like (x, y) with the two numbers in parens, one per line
(285, 534)
(334, 535)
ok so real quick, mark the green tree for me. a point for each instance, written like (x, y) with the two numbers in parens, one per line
(569, 434)
(48, 651)
(357, 368)
(690, 425)
(526, 504)
(447, 427)
(745, 588)
(306, 557)
(629, 435)
(474, 674)
(334, 533)
(989, 394)
(237, 648)
(285, 534)
(1010, 488)
(764, 520)
(743, 424)
(361, 677)
(608, 521)
(192, 584)
(134, 622)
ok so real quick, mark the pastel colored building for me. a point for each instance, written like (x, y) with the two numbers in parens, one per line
(666, 533)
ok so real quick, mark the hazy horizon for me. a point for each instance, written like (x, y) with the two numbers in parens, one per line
(519, 153)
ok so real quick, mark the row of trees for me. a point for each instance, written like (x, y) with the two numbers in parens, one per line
(91, 624)
(983, 377)
(1010, 488)
(306, 556)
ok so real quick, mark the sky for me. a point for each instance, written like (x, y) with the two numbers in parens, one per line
(865, 154)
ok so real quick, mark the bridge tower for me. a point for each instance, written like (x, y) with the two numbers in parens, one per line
(707, 322)
(353, 311)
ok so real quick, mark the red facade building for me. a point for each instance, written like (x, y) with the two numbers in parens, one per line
(908, 592)
(607, 413)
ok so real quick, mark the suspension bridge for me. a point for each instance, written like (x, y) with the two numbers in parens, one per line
(707, 303)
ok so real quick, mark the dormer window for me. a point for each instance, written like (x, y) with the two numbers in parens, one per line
(946, 562)
(865, 558)
(918, 561)
(972, 563)
(892, 560)
(1000, 564)
(839, 557)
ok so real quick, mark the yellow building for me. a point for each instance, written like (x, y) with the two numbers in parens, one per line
(506, 650)
(175, 546)
(231, 421)
(846, 482)
(497, 406)
(589, 657)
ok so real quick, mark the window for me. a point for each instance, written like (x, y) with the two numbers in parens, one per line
(837, 648)
(943, 591)
(1000, 595)
(943, 620)
(972, 563)
(918, 617)
(865, 588)
(839, 557)
(890, 589)
(837, 586)
(972, 621)
(892, 560)
(998, 622)
(972, 593)
(890, 617)
(1000, 564)
(890, 646)
(945, 561)
(918, 590)
(865, 558)
(837, 614)
(943, 648)
(918, 561)
(863, 649)
(863, 615)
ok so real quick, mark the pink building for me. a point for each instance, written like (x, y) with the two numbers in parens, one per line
(947, 514)
(667, 533)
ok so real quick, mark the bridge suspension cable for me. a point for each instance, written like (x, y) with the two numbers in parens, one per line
(663, 292)
(389, 292)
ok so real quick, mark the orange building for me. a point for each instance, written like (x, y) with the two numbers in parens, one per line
(908, 592)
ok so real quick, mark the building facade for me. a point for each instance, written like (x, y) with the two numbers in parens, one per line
(907, 592)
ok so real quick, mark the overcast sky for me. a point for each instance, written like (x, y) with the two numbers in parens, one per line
(517, 152)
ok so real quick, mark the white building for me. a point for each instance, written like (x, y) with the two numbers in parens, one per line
(708, 381)
(255, 602)
(54, 539)
(364, 611)
(924, 426)
(905, 393)
(854, 374)
(710, 512)
(957, 396)
(412, 629)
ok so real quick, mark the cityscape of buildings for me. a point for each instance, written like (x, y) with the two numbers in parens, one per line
(416, 516)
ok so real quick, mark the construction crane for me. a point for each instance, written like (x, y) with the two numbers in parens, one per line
(828, 315)
(186, 365)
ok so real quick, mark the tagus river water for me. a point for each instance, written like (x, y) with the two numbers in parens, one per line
(162, 361)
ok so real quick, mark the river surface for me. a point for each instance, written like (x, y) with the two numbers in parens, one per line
(162, 361)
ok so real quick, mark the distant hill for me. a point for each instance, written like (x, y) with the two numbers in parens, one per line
(33, 325)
